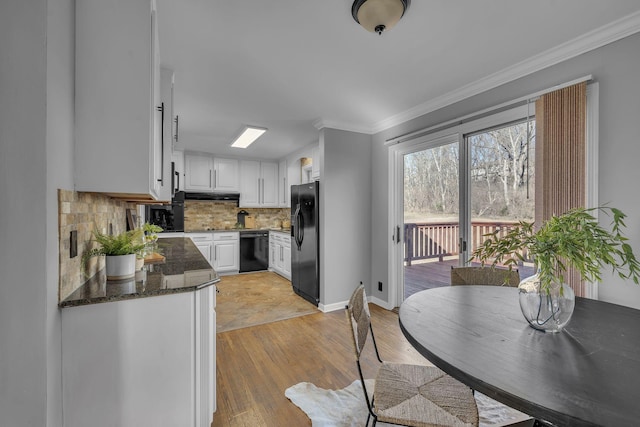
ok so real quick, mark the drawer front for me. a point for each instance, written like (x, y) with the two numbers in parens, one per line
(234, 235)
(200, 237)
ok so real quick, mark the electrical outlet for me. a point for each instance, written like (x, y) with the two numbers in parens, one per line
(73, 244)
(380, 286)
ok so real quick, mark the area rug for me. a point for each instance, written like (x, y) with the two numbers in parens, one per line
(347, 408)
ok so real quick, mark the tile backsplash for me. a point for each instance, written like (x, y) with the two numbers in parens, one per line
(203, 215)
(84, 212)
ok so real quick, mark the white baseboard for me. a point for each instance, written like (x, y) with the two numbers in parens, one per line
(341, 305)
(333, 307)
(381, 303)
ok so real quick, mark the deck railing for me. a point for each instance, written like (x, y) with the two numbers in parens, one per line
(437, 240)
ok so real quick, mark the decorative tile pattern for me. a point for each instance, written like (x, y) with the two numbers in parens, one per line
(84, 212)
(203, 215)
(257, 298)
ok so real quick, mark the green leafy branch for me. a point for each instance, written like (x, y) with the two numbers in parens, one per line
(574, 239)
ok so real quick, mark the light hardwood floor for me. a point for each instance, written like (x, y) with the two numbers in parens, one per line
(256, 364)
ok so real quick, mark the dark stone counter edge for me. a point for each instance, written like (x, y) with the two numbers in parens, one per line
(184, 253)
(124, 297)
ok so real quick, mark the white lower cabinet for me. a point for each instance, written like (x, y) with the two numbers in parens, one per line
(280, 253)
(221, 249)
(226, 252)
(140, 362)
(204, 242)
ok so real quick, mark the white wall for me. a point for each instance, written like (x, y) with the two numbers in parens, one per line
(293, 163)
(23, 216)
(616, 67)
(36, 126)
(345, 220)
(60, 174)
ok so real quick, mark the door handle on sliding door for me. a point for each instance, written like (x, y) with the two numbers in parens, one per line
(463, 245)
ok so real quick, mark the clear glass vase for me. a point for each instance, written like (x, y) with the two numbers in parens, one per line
(548, 310)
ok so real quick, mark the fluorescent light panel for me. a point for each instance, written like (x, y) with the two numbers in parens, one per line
(248, 135)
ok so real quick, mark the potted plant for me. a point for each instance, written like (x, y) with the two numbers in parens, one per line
(574, 239)
(120, 253)
(150, 231)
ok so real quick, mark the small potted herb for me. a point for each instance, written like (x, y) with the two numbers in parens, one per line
(150, 231)
(120, 252)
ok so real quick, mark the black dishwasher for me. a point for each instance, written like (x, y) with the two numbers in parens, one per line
(254, 251)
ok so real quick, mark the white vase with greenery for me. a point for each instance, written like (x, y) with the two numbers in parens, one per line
(575, 240)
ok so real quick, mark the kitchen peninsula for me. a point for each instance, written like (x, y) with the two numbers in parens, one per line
(142, 352)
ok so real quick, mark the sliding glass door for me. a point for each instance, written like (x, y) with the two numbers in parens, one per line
(431, 216)
(501, 181)
(453, 188)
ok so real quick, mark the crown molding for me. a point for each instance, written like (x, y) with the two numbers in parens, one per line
(587, 42)
(350, 127)
(592, 40)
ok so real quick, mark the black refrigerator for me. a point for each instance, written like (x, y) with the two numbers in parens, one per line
(305, 263)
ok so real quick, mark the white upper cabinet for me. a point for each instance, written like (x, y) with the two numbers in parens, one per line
(119, 145)
(207, 173)
(165, 180)
(269, 174)
(284, 189)
(226, 174)
(258, 184)
(198, 172)
(177, 157)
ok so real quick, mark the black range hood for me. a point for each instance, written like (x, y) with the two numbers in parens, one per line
(218, 197)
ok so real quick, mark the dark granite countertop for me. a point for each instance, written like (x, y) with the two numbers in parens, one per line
(183, 270)
(216, 230)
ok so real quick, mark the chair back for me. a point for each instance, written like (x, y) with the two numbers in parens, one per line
(359, 318)
(484, 276)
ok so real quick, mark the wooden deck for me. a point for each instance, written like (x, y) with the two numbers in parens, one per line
(434, 274)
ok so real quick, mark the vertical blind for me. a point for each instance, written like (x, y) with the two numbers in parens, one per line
(561, 158)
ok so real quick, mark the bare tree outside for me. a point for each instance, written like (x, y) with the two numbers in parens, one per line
(501, 186)
(431, 184)
(502, 179)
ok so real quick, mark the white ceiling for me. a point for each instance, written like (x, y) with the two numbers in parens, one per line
(285, 64)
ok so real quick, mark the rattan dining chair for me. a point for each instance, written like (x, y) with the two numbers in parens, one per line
(484, 276)
(409, 395)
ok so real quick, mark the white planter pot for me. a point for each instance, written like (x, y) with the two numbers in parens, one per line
(120, 267)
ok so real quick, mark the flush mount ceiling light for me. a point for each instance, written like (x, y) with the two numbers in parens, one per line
(248, 136)
(378, 15)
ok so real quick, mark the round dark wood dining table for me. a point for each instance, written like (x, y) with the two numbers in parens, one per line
(586, 375)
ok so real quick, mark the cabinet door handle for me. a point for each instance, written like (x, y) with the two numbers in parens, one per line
(258, 189)
(175, 137)
(284, 191)
(161, 109)
(210, 178)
